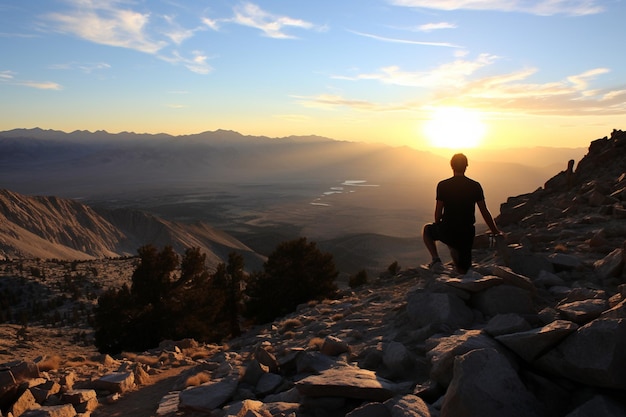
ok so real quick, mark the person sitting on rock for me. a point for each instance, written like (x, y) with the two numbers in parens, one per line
(455, 218)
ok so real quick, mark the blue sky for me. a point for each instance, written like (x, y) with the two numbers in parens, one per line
(455, 73)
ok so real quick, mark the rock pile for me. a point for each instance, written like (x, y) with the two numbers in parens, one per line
(497, 344)
(29, 389)
(537, 328)
(576, 218)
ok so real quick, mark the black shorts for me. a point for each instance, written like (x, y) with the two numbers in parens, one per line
(459, 238)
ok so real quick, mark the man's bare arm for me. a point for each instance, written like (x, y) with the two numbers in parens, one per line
(488, 218)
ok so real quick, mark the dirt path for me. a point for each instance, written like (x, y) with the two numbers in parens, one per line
(144, 401)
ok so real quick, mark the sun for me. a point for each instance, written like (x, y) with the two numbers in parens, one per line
(455, 128)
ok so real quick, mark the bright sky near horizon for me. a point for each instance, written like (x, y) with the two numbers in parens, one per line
(401, 72)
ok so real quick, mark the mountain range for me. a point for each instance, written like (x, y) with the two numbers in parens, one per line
(100, 164)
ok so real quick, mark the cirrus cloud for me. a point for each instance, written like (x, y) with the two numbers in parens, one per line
(272, 26)
(459, 83)
(40, 85)
(105, 22)
(537, 7)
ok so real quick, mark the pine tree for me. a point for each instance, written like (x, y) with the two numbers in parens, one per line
(296, 272)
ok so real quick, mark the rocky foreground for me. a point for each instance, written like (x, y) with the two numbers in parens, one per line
(537, 328)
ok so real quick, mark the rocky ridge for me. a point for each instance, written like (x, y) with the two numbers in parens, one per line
(537, 328)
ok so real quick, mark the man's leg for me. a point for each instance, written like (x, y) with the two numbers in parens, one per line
(429, 242)
(462, 253)
(456, 260)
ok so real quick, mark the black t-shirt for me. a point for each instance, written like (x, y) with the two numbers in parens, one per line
(459, 195)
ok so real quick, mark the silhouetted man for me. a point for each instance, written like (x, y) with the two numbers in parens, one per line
(454, 217)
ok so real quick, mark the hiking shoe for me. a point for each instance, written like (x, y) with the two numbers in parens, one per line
(436, 266)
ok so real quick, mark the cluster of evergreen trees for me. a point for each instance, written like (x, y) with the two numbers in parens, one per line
(173, 298)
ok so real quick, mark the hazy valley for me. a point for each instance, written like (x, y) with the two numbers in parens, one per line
(365, 203)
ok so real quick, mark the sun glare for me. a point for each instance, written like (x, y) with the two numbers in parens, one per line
(454, 128)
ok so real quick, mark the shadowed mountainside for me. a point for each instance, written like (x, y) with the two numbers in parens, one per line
(52, 227)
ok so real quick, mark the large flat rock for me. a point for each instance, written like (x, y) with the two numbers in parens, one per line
(347, 382)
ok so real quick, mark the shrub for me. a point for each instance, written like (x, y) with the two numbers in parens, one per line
(358, 279)
(393, 268)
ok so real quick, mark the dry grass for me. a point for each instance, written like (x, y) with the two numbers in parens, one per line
(197, 379)
(290, 324)
(78, 362)
(560, 248)
(50, 363)
(202, 352)
(316, 343)
(143, 359)
(289, 335)
(337, 316)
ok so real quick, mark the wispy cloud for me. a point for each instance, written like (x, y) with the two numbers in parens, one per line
(40, 85)
(273, 26)
(113, 23)
(269, 24)
(458, 83)
(581, 81)
(617, 95)
(429, 27)
(177, 33)
(9, 77)
(196, 63)
(87, 67)
(405, 41)
(537, 7)
(6, 75)
(16, 35)
(106, 22)
(516, 91)
(567, 97)
(213, 24)
(453, 74)
(331, 101)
